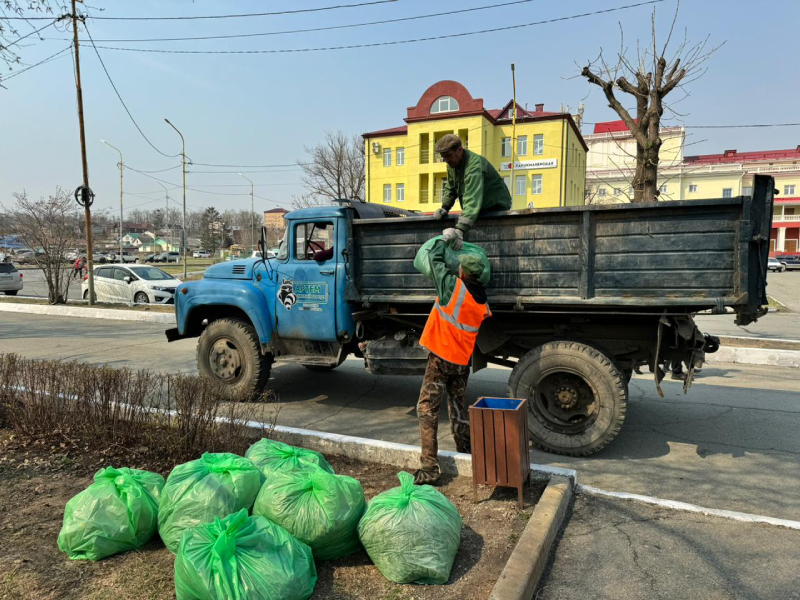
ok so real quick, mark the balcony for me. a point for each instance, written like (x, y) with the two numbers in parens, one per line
(785, 218)
(424, 156)
(424, 196)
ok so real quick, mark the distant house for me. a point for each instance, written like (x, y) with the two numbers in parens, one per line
(273, 219)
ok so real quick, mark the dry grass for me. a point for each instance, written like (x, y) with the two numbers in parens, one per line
(180, 415)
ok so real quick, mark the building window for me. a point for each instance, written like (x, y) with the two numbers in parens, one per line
(401, 157)
(387, 157)
(400, 192)
(536, 184)
(538, 144)
(788, 190)
(505, 147)
(520, 185)
(387, 192)
(663, 189)
(601, 192)
(747, 191)
(727, 192)
(507, 181)
(617, 192)
(522, 145)
(692, 188)
(444, 104)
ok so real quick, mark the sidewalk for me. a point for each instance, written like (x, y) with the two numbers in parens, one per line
(626, 550)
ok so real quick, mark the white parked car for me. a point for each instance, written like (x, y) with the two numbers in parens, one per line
(140, 284)
(257, 254)
(127, 257)
(10, 279)
(201, 254)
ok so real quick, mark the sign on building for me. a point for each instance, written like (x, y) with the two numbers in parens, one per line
(523, 165)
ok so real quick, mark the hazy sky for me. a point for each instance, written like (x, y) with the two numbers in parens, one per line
(262, 109)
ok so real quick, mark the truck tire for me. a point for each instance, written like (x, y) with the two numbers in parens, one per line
(577, 397)
(229, 352)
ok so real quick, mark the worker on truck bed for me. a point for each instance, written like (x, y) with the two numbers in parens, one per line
(471, 180)
(449, 334)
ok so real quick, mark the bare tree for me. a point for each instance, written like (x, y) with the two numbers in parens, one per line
(17, 30)
(653, 76)
(50, 225)
(334, 170)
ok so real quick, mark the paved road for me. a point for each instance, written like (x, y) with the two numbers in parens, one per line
(732, 443)
(773, 325)
(785, 287)
(33, 284)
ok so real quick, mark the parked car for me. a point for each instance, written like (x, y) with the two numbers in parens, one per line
(773, 264)
(139, 284)
(257, 254)
(201, 254)
(126, 257)
(792, 261)
(10, 279)
(168, 257)
(149, 258)
(25, 256)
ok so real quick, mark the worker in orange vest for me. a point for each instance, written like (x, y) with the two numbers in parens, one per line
(449, 334)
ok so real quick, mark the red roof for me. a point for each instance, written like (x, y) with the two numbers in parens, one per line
(610, 127)
(730, 156)
(393, 131)
(276, 210)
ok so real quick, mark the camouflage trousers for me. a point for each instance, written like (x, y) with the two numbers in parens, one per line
(442, 378)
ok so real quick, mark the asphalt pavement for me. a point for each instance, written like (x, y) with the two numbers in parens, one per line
(731, 443)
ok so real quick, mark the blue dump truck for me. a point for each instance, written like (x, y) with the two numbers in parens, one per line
(580, 296)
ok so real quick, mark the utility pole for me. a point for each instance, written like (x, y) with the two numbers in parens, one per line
(166, 214)
(84, 162)
(121, 166)
(183, 163)
(252, 215)
(513, 132)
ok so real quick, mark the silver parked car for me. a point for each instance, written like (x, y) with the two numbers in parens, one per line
(10, 279)
(139, 284)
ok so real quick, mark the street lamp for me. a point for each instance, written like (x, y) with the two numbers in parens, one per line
(166, 214)
(252, 214)
(183, 162)
(121, 166)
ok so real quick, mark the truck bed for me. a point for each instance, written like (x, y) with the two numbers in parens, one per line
(704, 254)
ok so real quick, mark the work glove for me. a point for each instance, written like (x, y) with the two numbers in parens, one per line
(453, 237)
(440, 213)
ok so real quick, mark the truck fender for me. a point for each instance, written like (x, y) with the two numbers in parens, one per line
(201, 302)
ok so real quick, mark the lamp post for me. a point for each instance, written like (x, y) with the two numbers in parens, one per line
(166, 214)
(252, 214)
(183, 163)
(121, 166)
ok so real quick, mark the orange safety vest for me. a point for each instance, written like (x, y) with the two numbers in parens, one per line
(451, 330)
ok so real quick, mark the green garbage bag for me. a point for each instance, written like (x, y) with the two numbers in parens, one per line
(411, 533)
(269, 456)
(423, 265)
(240, 557)
(214, 485)
(118, 512)
(317, 507)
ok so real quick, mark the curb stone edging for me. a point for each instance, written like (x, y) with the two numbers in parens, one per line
(88, 313)
(755, 356)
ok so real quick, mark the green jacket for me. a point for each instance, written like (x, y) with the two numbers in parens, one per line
(443, 278)
(476, 184)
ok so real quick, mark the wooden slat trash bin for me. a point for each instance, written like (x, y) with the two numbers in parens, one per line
(499, 432)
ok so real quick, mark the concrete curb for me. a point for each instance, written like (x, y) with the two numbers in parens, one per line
(88, 313)
(755, 356)
(524, 568)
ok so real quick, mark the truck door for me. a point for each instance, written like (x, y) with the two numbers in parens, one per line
(306, 295)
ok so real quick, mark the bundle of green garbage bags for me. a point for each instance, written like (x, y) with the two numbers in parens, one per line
(118, 512)
(196, 492)
(411, 533)
(423, 265)
(317, 507)
(240, 557)
(270, 456)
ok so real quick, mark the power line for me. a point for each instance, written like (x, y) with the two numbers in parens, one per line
(41, 62)
(236, 16)
(27, 35)
(244, 166)
(116, 91)
(716, 126)
(391, 43)
(314, 29)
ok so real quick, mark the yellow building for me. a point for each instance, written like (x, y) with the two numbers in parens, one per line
(548, 154)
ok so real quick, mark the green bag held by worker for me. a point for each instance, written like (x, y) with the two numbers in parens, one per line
(411, 533)
(239, 557)
(317, 507)
(270, 456)
(423, 265)
(118, 512)
(215, 485)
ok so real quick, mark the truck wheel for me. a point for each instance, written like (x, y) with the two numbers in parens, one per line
(577, 397)
(229, 352)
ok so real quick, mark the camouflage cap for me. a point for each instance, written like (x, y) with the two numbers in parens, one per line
(448, 142)
(471, 265)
